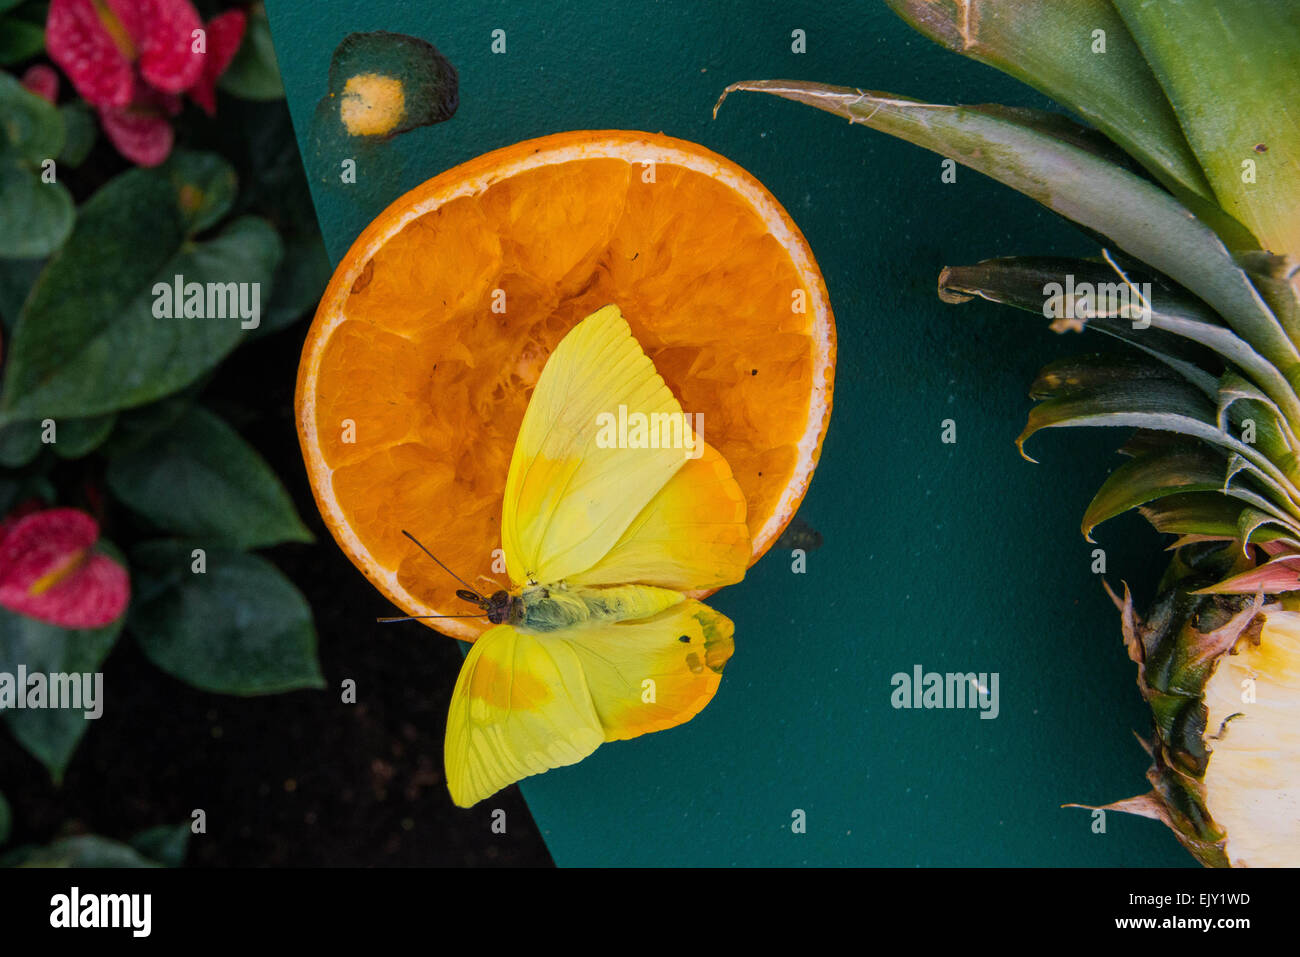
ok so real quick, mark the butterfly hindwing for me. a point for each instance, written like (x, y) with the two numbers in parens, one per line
(654, 673)
(527, 703)
(521, 706)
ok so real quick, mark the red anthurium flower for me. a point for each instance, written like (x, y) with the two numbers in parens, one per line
(225, 33)
(132, 59)
(142, 132)
(101, 44)
(49, 571)
(43, 81)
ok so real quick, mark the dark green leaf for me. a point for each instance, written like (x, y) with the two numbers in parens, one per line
(87, 850)
(20, 443)
(254, 74)
(79, 125)
(201, 480)
(299, 284)
(1022, 281)
(15, 489)
(239, 628)
(205, 187)
(30, 127)
(78, 437)
(19, 40)
(166, 844)
(138, 427)
(1175, 468)
(1100, 391)
(50, 734)
(35, 216)
(1202, 514)
(16, 279)
(1181, 468)
(89, 342)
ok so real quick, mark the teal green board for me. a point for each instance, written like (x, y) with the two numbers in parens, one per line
(952, 557)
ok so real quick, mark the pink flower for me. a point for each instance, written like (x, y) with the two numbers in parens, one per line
(49, 571)
(43, 81)
(225, 33)
(133, 58)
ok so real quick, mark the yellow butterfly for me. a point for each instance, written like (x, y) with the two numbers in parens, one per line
(596, 641)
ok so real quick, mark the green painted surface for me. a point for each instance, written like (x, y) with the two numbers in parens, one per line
(955, 557)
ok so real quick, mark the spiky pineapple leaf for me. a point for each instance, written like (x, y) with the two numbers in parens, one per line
(1096, 390)
(1200, 516)
(1258, 420)
(1232, 73)
(1021, 281)
(1137, 215)
(1182, 467)
(1278, 281)
(1037, 284)
(1056, 48)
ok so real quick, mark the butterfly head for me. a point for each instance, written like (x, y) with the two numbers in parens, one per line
(501, 606)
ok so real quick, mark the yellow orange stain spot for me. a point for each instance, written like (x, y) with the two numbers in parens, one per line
(191, 198)
(59, 572)
(498, 687)
(372, 104)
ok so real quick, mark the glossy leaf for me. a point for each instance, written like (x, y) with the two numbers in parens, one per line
(78, 437)
(35, 216)
(201, 480)
(254, 74)
(166, 844)
(84, 850)
(205, 187)
(80, 129)
(51, 735)
(240, 627)
(20, 443)
(88, 341)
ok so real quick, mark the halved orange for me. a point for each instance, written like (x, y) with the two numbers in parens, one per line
(424, 350)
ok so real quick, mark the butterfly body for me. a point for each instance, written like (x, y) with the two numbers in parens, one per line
(561, 607)
(596, 640)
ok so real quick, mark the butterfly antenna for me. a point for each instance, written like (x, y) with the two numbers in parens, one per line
(416, 617)
(444, 568)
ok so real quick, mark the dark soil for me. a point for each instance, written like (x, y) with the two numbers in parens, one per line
(291, 779)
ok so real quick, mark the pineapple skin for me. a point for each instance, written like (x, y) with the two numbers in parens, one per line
(1177, 648)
